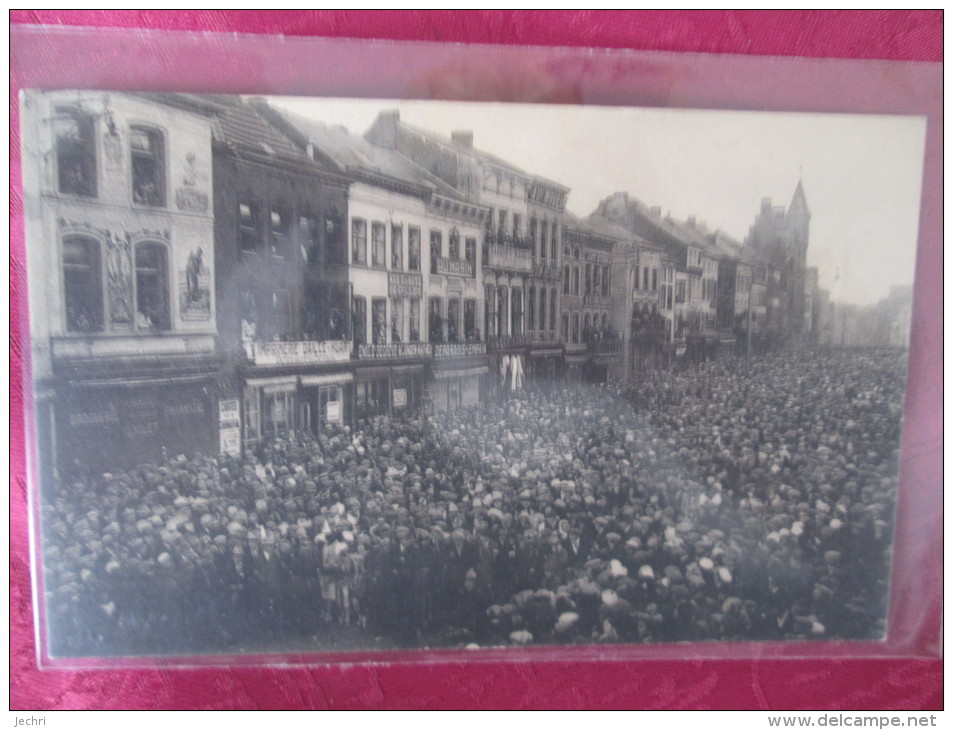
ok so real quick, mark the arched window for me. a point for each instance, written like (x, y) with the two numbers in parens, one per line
(82, 284)
(152, 287)
(566, 279)
(147, 147)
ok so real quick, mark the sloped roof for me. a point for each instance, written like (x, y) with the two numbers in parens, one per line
(799, 202)
(354, 153)
(241, 126)
(605, 227)
(475, 152)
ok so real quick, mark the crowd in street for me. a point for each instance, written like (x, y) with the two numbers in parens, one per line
(702, 503)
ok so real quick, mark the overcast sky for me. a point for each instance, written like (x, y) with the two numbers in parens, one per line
(862, 174)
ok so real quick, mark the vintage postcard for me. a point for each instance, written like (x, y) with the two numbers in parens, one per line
(320, 375)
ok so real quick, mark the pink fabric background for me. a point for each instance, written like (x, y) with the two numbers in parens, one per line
(828, 684)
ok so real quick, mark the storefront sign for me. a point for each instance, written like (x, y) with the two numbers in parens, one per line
(192, 200)
(400, 397)
(397, 350)
(460, 349)
(229, 427)
(404, 285)
(299, 353)
(454, 268)
(334, 411)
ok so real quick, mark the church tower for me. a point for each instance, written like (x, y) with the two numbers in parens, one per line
(798, 222)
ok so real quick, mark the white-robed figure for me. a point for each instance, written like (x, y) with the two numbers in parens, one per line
(516, 368)
(504, 366)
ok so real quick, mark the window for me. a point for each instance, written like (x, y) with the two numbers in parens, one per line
(469, 321)
(148, 166)
(152, 287)
(553, 242)
(533, 233)
(359, 241)
(379, 321)
(605, 281)
(566, 279)
(436, 249)
(588, 279)
(413, 248)
(680, 292)
(308, 240)
(396, 320)
(453, 320)
(516, 311)
(454, 243)
(436, 319)
(280, 223)
(378, 245)
(397, 247)
(248, 235)
(501, 225)
(531, 309)
(543, 238)
(565, 327)
(75, 152)
(252, 411)
(489, 323)
(501, 297)
(470, 254)
(517, 224)
(415, 320)
(359, 320)
(575, 329)
(645, 278)
(542, 309)
(82, 285)
(552, 308)
(575, 281)
(334, 238)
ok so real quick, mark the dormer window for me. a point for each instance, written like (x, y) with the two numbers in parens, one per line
(75, 152)
(148, 166)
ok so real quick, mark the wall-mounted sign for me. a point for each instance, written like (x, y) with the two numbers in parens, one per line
(404, 285)
(229, 427)
(334, 411)
(400, 397)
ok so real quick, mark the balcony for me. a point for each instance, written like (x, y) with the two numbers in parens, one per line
(605, 347)
(460, 349)
(547, 272)
(510, 258)
(298, 353)
(395, 351)
(598, 300)
(505, 342)
(453, 267)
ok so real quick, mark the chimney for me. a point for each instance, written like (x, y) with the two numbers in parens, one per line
(463, 137)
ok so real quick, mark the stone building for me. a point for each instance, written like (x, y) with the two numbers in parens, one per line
(521, 251)
(121, 265)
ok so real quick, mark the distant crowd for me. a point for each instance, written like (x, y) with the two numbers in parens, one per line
(710, 502)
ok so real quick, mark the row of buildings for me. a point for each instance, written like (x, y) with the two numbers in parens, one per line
(207, 273)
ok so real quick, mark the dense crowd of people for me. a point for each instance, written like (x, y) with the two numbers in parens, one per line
(709, 502)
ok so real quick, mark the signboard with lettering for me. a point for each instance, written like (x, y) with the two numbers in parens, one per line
(229, 427)
(299, 353)
(400, 397)
(401, 285)
(452, 267)
(334, 411)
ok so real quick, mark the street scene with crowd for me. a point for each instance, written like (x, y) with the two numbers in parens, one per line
(711, 501)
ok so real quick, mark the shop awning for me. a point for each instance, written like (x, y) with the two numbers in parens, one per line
(283, 384)
(313, 381)
(465, 373)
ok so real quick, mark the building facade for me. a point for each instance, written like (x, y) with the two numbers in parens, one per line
(121, 264)
(521, 246)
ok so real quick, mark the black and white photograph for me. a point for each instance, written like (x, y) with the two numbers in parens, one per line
(318, 375)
